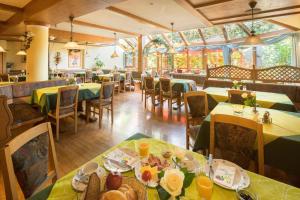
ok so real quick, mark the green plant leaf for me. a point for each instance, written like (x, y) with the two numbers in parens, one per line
(161, 174)
(188, 179)
(163, 194)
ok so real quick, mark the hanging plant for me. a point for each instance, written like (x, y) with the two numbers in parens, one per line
(156, 43)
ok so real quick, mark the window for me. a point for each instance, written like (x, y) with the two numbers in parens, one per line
(261, 26)
(180, 60)
(128, 56)
(167, 62)
(196, 60)
(213, 34)
(215, 57)
(192, 36)
(279, 53)
(234, 31)
(152, 61)
(242, 57)
(177, 41)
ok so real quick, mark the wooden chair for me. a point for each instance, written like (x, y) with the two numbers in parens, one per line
(166, 92)
(6, 121)
(235, 96)
(196, 109)
(127, 80)
(89, 76)
(105, 100)
(117, 81)
(66, 106)
(233, 138)
(23, 178)
(150, 90)
(13, 78)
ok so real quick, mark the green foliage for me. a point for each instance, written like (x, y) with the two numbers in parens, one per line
(196, 61)
(234, 31)
(154, 44)
(98, 63)
(180, 61)
(213, 33)
(277, 54)
(262, 26)
(192, 36)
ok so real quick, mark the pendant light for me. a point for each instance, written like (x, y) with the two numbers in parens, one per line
(172, 49)
(114, 54)
(71, 44)
(253, 40)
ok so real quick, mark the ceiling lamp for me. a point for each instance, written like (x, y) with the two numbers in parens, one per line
(21, 53)
(1, 49)
(253, 40)
(114, 54)
(172, 49)
(71, 44)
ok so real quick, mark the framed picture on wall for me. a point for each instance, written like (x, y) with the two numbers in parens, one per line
(75, 58)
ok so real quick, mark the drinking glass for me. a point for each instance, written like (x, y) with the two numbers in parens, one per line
(144, 149)
(204, 187)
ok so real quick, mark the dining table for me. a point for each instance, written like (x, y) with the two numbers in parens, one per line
(265, 188)
(46, 97)
(281, 137)
(179, 85)
(263, 99)
(100, 77)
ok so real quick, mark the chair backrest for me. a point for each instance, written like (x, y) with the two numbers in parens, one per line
(117, 77)
(107, 90)
(89, 74)
(6, 121)
(67, 99)
(196, 106)
(235, 96)
(149, 83)
(165, 85)
(13, 78)
(128, 76)
(233, 138)
(29, 162)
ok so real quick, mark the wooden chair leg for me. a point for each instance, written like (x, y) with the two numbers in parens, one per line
(112, 113)
(145, 100)
(87, 112)
(100, 116)
(57, 129)
(187, 140)
(153, 101)
(75, 121)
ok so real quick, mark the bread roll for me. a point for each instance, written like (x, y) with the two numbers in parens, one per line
(114, 195)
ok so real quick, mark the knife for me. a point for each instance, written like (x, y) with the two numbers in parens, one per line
(118, 163)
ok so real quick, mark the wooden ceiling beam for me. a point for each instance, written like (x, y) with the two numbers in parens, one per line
(244, 28)
(225, 34)
(81, 23)
(137, 18)
(292, 28)
(202, 36)
(80, 37)
(183, 39)
(256, 13)
(187, 5)
(129, 43)
(211, 3)
(255, 18)
(10, 8)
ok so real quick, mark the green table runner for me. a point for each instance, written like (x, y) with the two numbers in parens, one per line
(281, 137)
(264, 187)
(46, 97)
(101, 76)
(180, 85)
(264, 99)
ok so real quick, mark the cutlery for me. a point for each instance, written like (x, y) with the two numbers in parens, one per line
(115, 162)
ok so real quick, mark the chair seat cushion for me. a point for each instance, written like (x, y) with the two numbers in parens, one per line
(62, 112)
(168, 94)
(96, 102)
(31, 164)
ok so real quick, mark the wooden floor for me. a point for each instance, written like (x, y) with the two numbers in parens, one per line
(130, 118)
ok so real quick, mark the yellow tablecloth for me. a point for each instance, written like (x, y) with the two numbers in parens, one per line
(265, 188)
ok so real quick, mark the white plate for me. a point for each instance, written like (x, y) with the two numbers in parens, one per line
(115, 168)
(80, 186)
(138, 175)
(241, 179)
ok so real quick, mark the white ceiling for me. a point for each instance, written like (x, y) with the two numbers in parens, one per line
(159, 11)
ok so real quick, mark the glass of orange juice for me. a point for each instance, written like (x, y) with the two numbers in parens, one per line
(204, 187)
(144, 149)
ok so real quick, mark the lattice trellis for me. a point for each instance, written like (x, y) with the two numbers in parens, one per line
(230, 72)
(282, 73)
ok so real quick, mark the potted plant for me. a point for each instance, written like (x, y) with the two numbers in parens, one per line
(99, 64)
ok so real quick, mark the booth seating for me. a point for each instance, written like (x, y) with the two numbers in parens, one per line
(17, 97)
(278, 79)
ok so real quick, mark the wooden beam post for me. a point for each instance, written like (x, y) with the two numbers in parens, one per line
(140, 53)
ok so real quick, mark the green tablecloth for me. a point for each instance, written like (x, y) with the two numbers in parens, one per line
(264, 99)
(46, 97)
(101, 76)
(180, 85)
(264, 187)
(5, 83)
(281, 137)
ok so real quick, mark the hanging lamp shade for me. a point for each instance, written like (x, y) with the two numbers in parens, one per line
(253, 40)
(71, 44)
(115, 54)
(172, 50)
(1, 49)
(21, 53)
